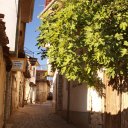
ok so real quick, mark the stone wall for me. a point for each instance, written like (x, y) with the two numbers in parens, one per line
(8, 96)
(42, 91)
(17, 92)
(2, 86)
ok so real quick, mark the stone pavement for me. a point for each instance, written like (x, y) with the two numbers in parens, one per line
(37, 116)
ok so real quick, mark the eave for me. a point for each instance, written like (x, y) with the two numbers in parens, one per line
(46, 8)
(27, 7)
(26, 14)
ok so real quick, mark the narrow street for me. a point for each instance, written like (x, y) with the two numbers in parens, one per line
(37, 116)
(63, 63)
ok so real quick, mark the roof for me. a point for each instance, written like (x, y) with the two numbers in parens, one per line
(47, 2)
(37, 63)
(3, 37)
(34, 61)
(46, 8)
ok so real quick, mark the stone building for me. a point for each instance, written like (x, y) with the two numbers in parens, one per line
(17, 13)
(4, 62)
(76, 102)
(43, 86)
(30, 85)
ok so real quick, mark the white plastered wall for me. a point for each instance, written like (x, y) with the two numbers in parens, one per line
(10, 9)
(78, 100)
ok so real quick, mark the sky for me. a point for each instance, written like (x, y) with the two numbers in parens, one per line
(32, 33)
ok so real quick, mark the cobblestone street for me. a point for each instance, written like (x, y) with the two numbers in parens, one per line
(37, 116)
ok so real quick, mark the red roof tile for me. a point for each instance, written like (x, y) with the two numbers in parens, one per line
(47, 2)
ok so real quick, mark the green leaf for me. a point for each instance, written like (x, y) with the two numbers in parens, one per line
(123, 25)
(85, 36)
(124, 51)
(126, 43)
(119, 36)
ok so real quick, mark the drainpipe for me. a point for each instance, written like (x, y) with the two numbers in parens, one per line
(56, 90)
(68, 103)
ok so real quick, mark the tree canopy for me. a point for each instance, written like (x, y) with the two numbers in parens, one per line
(85, 36)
